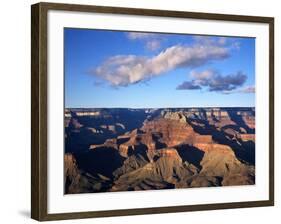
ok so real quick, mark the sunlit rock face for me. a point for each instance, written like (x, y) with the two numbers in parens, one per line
(169, 131)
(152, 149)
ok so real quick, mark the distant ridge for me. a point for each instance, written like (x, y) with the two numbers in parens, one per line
(158, 108)
(129, 149)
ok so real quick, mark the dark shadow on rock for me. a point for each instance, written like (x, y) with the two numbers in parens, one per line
(140, 149)
(122, 140)
(78, 139)
(157, 139)
(205, 130)
(67, 184)
(234, 127)
(240, 122)
(160, 145)
(102, 160)
(219, 179)
(131, 119)
(244, 152)
(214, 118)
(248, 152)
(190, 154)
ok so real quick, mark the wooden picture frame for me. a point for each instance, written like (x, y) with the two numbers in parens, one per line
(39, 109)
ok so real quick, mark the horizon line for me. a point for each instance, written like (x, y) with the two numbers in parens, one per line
(158, 107)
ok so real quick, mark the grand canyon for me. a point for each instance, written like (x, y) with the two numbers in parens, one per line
(125, 149)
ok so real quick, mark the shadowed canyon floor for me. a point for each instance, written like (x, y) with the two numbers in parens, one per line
(109, 150)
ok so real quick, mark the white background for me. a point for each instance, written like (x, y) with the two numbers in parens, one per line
(58, 203)
(15, 112)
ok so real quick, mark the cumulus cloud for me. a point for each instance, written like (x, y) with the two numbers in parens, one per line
(222, 40)
(214, 81)
(153, 45)
(152, 41)
(141, 35)
(188, 85)
(123, 70)
(232, 43)
(246, 89)
(210, 40)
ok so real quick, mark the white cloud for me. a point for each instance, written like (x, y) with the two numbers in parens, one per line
(206, 74)
(153, 45)
(141, 35)
(248, 89)
(123, 70)
(152, 41)
(214, 81)
(211, 40)
(222, 40)
(232, 42)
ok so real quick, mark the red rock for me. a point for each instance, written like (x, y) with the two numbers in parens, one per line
(207, 147)
(173, 132)
(247, 137)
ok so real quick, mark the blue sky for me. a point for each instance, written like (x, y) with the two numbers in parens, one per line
(105, 69)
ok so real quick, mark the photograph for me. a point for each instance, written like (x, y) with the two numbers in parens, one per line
(154, 111)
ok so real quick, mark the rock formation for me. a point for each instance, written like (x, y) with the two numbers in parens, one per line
(149, 149)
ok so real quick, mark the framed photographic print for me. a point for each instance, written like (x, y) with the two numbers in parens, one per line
(139, 111)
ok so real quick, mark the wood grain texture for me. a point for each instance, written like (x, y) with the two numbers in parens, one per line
(271, 111)
(39, 120)
(34, 113)
(38, 112)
